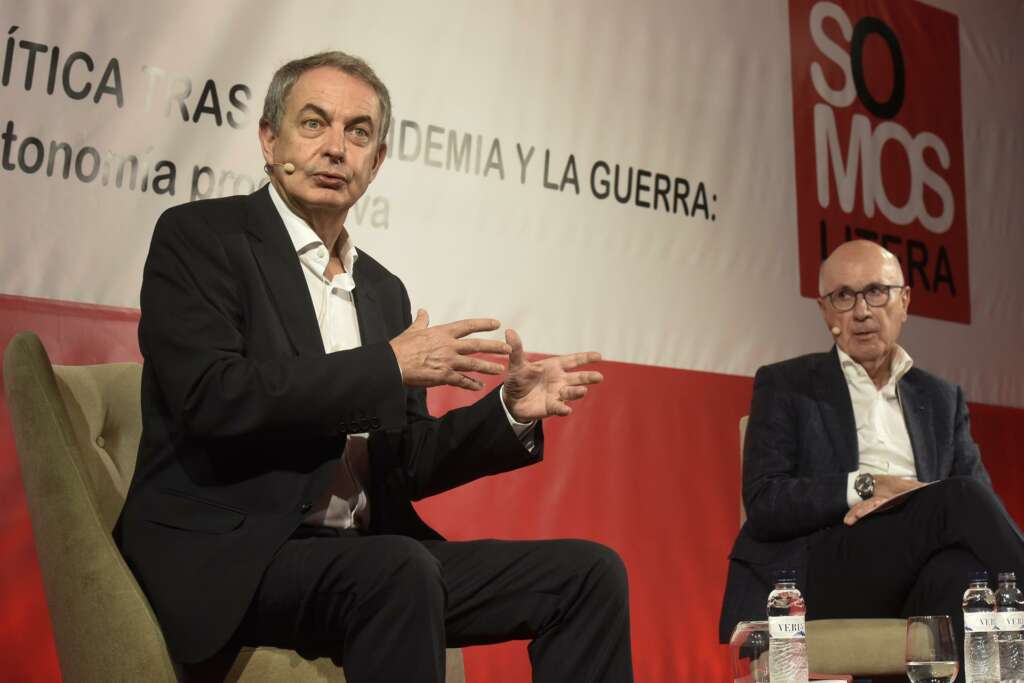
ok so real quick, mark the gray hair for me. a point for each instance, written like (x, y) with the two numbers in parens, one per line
(285, 77)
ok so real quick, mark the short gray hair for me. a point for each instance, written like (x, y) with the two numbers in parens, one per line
(285, 77)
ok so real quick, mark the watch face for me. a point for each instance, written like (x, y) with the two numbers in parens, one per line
(864, 485)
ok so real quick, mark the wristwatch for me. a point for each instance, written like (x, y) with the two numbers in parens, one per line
(864, 485)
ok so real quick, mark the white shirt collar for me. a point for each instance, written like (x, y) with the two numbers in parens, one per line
(900, 365)
(306, 240)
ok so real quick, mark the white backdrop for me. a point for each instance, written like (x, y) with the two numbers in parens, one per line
(699, 91)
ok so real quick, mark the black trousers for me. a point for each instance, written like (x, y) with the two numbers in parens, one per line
(913, 559)
(385, 607)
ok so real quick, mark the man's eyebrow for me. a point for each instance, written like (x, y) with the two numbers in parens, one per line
(319, 111)
(362, 118)
(322, 113)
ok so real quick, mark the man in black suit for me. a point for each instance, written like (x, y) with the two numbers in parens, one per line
(285, 431)
(833, 436)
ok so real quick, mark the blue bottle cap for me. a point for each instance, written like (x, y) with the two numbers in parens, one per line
(785, 576)
(978, 577)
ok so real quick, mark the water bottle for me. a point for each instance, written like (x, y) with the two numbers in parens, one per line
(787, 646)
(981, 653)
(1010, 622)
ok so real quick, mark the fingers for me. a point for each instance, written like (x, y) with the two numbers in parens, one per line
(863, 509)
(516, 356)
(574, 360)
(559, 409)
(471, 364)
(461, 328)
(461, 381)
(572, 393)
(580, 378)
(422, 320)
(469, 346)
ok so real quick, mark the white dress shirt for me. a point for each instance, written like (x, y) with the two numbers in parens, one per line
(883, 443)
(344, 504)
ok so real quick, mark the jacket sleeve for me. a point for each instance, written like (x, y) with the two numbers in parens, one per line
(783, 497)
(191, 334)
(966, 455)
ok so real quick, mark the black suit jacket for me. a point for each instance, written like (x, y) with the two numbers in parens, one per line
(245, 416)
(801, 443)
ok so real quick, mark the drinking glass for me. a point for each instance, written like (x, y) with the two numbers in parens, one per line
(931, 650)
(748, 650)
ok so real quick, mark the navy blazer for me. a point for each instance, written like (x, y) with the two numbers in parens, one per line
(801, 443)
(245, 416)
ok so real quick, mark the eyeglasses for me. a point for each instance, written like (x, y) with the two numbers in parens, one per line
(875, 295)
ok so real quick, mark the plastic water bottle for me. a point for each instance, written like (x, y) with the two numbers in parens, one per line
(981, 653)
(1010, 622)
(787, 645)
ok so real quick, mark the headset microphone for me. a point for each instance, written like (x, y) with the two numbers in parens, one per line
(835, 331)
(288, 167)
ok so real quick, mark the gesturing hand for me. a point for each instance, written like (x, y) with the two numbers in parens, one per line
(431, 356)
(535, 390)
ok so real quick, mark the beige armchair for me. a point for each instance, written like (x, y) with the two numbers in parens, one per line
(859, 647)
(77, 431)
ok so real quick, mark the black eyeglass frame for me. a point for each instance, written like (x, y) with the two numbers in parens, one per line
(861, 293)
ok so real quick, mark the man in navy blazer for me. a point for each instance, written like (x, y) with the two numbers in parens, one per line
(285, 432)
(832, 437)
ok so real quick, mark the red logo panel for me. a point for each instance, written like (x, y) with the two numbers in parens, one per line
(879, 142)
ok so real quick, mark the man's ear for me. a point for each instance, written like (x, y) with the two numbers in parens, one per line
(905, 297)
(267, 139)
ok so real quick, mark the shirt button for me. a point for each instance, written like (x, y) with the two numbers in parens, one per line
(321, 252)
(305, 507)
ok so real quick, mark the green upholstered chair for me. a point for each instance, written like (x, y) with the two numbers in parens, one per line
(858, 647)
(77, 431)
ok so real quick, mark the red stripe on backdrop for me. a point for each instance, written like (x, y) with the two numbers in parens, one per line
(649, 465)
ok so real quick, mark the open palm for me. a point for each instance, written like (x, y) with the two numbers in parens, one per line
(535, 390)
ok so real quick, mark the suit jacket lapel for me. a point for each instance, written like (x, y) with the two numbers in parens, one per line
(275, 254)
(918, 416)
(833, 398)
(371, 323)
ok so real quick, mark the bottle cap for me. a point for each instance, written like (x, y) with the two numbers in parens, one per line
(1005, 577)
(978, 577)
(785, 576)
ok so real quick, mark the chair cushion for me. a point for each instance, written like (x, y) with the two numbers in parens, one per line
(103, 406)
(856, 646)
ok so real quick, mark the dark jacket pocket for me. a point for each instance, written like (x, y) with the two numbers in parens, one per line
(183, 511)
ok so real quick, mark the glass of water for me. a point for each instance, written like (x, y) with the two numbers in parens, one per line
(931, 650)
(748, 650)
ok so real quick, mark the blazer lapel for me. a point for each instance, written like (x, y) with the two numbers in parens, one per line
(371, 322)
(918, 416)
(833, 398)
(275, 254)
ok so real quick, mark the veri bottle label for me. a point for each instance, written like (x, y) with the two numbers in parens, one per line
(1010, 621)
(786, 627)
(978, 622)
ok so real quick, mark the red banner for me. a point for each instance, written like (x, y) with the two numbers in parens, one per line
(879, 143)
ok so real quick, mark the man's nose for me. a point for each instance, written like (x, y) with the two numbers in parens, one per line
(335, 146)
(861, 310)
